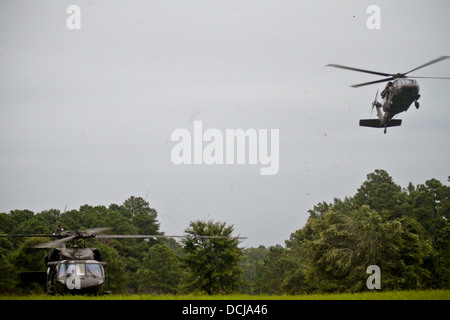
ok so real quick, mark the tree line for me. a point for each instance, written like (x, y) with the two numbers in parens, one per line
(403, 231)
(156, 266)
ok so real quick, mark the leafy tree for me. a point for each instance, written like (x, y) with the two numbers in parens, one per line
(117, 277)
(441, 265)
(252, 259)
(405, 232)
(162, 271)
(142, 216)
(430, 205)
(134, 216)
(7, 282)
(270, 275)
(26, 258)
(21, 221)
(6, 223)
(344, 245)
(72, 220)
(213, 262)
(380, 193)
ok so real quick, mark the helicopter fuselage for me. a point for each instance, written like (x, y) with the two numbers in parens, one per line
(75, 270)
(399, 96)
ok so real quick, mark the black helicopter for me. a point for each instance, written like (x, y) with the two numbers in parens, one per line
(398, 95)
(77, 269)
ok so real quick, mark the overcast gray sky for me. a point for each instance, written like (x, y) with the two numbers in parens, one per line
(86, 116)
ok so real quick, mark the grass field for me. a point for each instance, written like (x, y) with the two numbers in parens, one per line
(389, 295)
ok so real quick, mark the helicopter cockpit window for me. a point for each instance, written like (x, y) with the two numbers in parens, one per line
(67, 269)
(80, 269)
(401, 82)
(94, 269)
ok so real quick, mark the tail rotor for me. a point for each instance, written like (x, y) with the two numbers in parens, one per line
(374, 103)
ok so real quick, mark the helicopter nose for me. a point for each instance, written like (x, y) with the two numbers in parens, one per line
(412, 88)
(409, 88)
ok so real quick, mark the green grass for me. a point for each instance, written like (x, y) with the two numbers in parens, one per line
(375, 295)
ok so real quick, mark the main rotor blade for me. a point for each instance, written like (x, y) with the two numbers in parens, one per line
(414, 77)
(359, 70)
(372, 82)
(95, 230)
(141, 236)
(428, 63)
(30, 235)
(55, 244)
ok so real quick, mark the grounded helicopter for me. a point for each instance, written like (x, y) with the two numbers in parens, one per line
(398, 95)
(77, 269)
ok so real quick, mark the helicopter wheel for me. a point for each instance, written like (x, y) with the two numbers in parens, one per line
(385, 130)
(50, 290)
(416, 103)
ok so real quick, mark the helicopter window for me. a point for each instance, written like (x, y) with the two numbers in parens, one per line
(72, 268)
(94, 269)
(402, 82)
(62, 270)
(80, 269)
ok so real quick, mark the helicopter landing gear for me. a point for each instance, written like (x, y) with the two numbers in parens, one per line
(416, 102)
(385, 129)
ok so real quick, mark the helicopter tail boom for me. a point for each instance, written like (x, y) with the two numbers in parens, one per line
(376, 123)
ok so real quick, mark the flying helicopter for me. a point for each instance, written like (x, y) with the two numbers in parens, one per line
(398, 95)
(75, 268)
